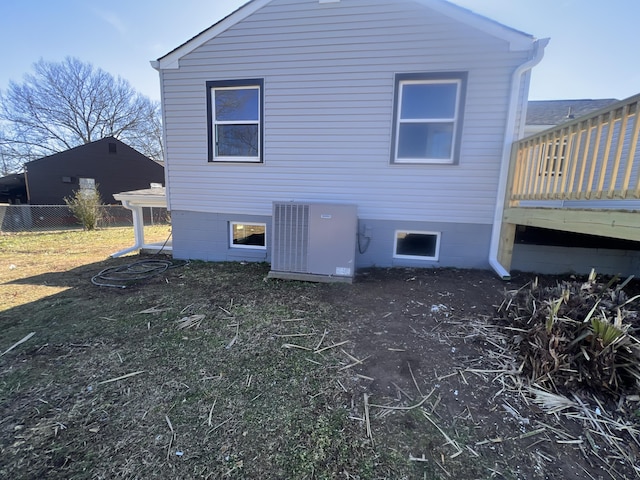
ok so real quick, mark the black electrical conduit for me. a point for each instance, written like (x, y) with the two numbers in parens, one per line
(122, 276)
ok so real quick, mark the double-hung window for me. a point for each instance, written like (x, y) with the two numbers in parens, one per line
(235, 120)
(428, 115)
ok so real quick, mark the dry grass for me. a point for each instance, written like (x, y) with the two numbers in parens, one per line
(209, 371)
(30, 255)
(187, 375)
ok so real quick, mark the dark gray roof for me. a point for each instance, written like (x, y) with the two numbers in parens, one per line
(555, 112)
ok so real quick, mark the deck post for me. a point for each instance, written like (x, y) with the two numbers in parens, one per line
(508, 230)
(505, 248)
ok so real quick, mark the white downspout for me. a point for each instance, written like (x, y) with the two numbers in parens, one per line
(138, 229)
(509, 135)
(155, 64)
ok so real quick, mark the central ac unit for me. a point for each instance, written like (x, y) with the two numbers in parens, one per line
(313, 241)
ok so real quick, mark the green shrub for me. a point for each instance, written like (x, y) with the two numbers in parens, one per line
(86, 206)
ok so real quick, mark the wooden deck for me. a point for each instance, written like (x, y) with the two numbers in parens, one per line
(582, 176)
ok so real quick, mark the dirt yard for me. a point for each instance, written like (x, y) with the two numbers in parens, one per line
(211, 371)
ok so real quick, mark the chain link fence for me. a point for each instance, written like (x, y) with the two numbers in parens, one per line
(40, 218)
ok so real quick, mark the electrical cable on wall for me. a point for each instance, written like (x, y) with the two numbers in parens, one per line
(362, 249)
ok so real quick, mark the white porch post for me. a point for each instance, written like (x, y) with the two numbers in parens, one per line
(135, 201)
(138, 223)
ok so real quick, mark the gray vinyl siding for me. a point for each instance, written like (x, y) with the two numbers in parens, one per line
(205, 236)
(328, 73)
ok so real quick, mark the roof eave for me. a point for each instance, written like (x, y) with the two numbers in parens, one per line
(517, 40)
(171, 60)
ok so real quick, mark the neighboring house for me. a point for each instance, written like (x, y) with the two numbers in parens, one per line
(404, 110)
(109, 164)
(13, 189)
(544, 114)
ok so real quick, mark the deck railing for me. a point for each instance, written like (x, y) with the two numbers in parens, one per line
(595, 157)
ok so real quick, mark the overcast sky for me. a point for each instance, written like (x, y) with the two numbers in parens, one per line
(593, 51)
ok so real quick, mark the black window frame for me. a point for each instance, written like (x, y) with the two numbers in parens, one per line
(436, 77)
(213, 84)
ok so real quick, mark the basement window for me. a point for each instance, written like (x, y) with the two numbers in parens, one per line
(247, 235)
(417, 245)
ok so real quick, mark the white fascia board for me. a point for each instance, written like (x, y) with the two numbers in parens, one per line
(518, 41)
(147, 197)
(172, 59)
(142, 200)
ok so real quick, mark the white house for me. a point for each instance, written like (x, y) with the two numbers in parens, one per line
(404, 110)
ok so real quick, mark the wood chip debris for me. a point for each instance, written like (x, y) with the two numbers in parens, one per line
(192, 321)
(235, 338)
(366, 418)
(173, 436)
(331, 346)
(128, 375)
(211, 412)
(417, 405)
(417, 459)
(153, 310)
(24, 339)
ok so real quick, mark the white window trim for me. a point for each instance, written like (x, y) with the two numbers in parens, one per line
(215, 123)
(252, 247)
(455, 120)
(416, 257)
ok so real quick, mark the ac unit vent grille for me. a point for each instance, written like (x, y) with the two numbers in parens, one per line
(290, 237)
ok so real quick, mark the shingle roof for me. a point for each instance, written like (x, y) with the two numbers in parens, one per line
(555, 112)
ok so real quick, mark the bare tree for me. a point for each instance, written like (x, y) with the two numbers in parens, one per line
(63, 105)
(5, 166)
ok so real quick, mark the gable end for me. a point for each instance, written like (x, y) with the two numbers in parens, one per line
(517, 40)
(171, 60)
